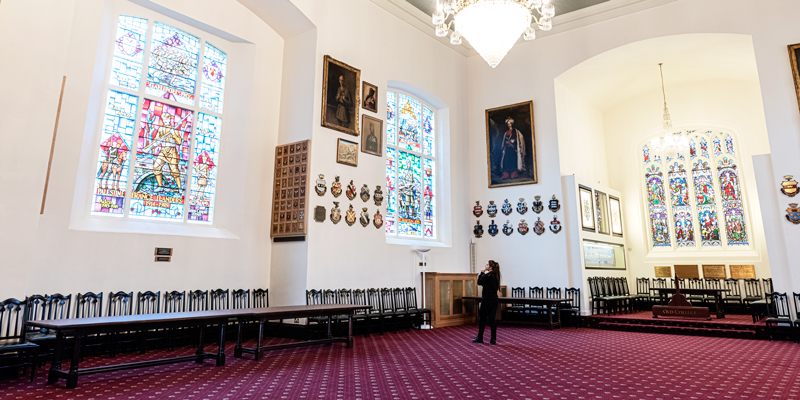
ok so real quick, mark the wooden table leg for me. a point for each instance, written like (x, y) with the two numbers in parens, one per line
(550, 314)
(237, 351)
(221, 351)
(718, 300)
(558, 313)
(258, 341)
(200, 344)
(72, 378)
(56, 364)
(350, 330)
(330, 334)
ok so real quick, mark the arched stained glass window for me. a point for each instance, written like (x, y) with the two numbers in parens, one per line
(696, 219)
(410, 167)
(158, 153)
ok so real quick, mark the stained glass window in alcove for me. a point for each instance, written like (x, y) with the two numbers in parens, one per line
(657, 207)
(126, 66)
(162, 155)
(430, 205)
(204, 168)
(111, 181)
(215, 69)
(428, 133)
(729, 145)
(717, 147)
(646, 154)
(706, 204)
(391, 118)
(409, 191)
(391, 190)
(681, 208)
(732, 206)
(409, 119)
(172, 71)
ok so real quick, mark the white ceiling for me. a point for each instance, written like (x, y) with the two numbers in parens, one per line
(562, 6)
(608, 79)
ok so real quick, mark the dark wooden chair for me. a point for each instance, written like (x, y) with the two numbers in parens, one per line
(148, 303)
(596, 299)
(572, 311)
(657, 283)
(359, 298)
(343, 296)
(732, 298)
(534, 292)
(768, 285)
(695, 283)
(240, 298)
(119, 304)
(374, 300)
(411, 304)
(53, 307)
(89, 305)
(388, 310)
(515, 310)
(13, 318)
(260, 298)
(754, 299)
(708, 299)
(400, 308)
(643, 293)
(778, 315)
(198, 300)
(175, 302)
(796, 323)
(220, 299)
(314, 297)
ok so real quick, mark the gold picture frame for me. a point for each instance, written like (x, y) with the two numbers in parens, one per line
(347, 152)
(340, 96)
(518, 170)
(794, 54)
(371, 135)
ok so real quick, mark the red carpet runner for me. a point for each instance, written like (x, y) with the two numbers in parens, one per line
(528, 363)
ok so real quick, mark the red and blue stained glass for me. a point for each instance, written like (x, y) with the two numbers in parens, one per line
(646, 154)
(706, 204)
(657, 207)
(729, 145)
(430, 205)
(428, 133)
(126, 66)
(409, 128)
(717, 147)
(703, 147)
(172, 71)
(212, 91)
(409, 193)
(681, 209)
(391, 191)
(162, 157)
(111, 180)
(204, 168)
(732, 205)
(391, 118)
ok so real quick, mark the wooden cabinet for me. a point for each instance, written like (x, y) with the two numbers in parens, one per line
(444, 294)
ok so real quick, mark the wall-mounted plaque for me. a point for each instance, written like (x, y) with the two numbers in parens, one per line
(289, 199)
(714, 271)
(319, 213)
(162, 258)
(587, 209)
(663, 272)
(163, 251)
(599, 255)
(615, 213)
(687, 271)
(743, 271)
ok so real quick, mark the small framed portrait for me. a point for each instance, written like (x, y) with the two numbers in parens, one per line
(511, 145)
(340, 96)
(370, 93)
(616, 216)
(371, 136)
(794, 54)
(347, 153)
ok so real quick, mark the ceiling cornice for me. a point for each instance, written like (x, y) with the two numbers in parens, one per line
(561, 23)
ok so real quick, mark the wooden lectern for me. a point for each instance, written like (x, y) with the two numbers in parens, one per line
(680, 307)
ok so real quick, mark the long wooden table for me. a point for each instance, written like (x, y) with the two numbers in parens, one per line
(551, 304)
(717, 293)
(79, 328)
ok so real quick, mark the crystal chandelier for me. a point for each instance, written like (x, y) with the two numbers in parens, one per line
(492, 26)
(672, 143)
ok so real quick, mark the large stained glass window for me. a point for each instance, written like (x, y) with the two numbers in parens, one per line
(172, 73)
(158, 152)
(698, 218)
(410, 167)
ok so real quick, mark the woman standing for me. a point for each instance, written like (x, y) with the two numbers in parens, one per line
(489, 279)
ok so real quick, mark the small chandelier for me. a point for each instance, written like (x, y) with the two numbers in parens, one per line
(673, 143)
(492, 26)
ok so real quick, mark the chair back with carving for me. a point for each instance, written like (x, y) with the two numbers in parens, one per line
(220, 299)
(399, 298)
(733, 286)
(344, 296)
(198, 300)
(574, 296)
(328, 296)
(119, 304)
(148, 302)
(12, 319)
(240, 298)
(768, 285)
(659, 282)
(643, 286)
(359, 298)
(260, 298)
(387, 300)
(536, 292)
(89, 305)
(753, 289)
(374, 300)
(174, 301)
(313, 297)
(778, 305)
(713, 284)
(553, 293)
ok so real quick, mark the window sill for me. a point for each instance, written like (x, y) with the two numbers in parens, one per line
(415, 242)
(95, 224)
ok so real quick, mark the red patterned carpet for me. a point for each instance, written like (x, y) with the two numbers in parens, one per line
(528, 363)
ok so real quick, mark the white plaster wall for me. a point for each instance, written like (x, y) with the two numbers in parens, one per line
(48, 39)
(727, 105)
(580, 133)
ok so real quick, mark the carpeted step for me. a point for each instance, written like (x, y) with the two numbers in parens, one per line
(678, 330)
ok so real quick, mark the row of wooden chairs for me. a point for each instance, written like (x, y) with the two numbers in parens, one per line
(389, 305)
(570, 309)
(611, 295)
(752, 298)
(779, 316)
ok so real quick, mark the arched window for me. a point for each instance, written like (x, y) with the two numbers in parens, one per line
(410, 167)
(159, 141)
(695, 221)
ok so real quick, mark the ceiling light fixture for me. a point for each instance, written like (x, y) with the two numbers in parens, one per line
(673, 143)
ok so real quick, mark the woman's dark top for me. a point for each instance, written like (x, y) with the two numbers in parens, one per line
(490, 285)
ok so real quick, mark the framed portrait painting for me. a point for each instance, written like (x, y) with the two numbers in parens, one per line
(794, 54)
(587, 209)
(370, 93)
(615, 215)
(511, 145)
(347, 153)
(371, 136)
(340, 96)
